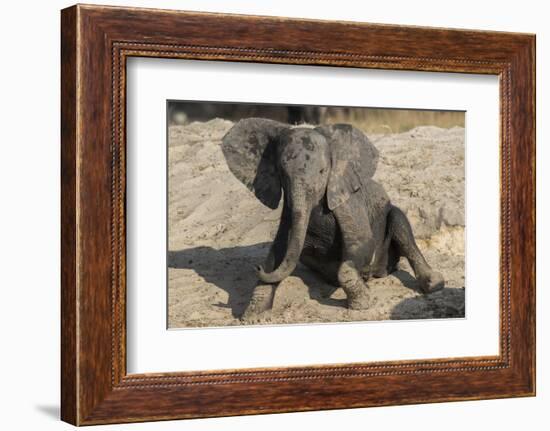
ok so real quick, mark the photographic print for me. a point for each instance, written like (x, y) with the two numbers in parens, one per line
(305, 214)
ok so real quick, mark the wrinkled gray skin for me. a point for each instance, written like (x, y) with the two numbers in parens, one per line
(336, 219)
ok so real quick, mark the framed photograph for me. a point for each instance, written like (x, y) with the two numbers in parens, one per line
(263, 214)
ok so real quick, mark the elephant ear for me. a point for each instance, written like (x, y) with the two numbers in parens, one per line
(249, 148)
(353, 159)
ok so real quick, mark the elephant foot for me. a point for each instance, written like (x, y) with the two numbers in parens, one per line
(360, 300)
(260, 303)
(355, 288)
(432, 283)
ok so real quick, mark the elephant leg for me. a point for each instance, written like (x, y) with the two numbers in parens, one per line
(379, 266)
(357, 251)
(403, 238)
(386, 259)
(354, 286)
(263, 294)
(393, 258)
(260, 301)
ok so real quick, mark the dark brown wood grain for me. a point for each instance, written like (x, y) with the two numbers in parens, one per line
(96, 41)
(68, 217)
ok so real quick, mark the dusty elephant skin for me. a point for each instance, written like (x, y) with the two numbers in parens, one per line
(341, 224)
(336, 220)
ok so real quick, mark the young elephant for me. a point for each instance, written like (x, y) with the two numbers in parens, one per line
(336, 219)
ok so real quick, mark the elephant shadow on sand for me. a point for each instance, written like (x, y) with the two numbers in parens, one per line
(232, 269)
(448, 303)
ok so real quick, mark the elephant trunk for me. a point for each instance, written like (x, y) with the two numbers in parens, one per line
(297, 235)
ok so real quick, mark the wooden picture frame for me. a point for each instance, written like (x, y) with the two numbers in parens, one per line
(95, 43)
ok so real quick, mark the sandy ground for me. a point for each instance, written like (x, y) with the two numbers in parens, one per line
(219, 232)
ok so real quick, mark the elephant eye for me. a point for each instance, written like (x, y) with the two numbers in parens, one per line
(321, 171)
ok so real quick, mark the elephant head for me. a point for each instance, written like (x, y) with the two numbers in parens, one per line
(308, 164)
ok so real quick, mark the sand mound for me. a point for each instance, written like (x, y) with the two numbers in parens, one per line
(219, 232)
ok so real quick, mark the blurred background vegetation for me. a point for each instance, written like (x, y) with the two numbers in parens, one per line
(377, 120)
(370, 120)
